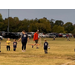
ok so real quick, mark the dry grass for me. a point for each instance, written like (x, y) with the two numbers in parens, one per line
(61, 52)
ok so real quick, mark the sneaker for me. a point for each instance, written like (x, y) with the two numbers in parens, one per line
(22, 51)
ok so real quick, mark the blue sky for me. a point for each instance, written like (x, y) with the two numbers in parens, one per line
(66, 15)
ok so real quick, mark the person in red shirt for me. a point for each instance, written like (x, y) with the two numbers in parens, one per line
(35, 38)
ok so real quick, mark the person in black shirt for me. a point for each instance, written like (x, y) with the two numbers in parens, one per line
(45, 46)
(24, 39)
(14, 45)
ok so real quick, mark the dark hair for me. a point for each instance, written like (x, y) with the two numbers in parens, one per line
(15, 39)
(23, 31)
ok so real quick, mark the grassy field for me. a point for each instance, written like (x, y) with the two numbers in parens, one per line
(61, 52)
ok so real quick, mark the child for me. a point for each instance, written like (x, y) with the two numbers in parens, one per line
(53, 38)
(14, 45)
(45, 46)
(8, 44)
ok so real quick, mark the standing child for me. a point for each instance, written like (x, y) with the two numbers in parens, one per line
(8, 44)
(14, 45)
(53, 38)
(45, 46)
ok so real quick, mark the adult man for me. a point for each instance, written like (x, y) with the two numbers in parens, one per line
(35, 38)
(24, 39)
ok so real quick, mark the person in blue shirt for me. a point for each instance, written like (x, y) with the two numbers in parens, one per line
(24, 38)
(14, 45)
(45, 46)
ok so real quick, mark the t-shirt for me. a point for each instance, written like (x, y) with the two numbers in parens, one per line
(45, 45)
(8, 43)
(35, 36)
(24, 37)
(14, 43)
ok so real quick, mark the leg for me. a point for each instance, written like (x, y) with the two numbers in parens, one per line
(14, 48)
(25, 45)
(9, 48)
(22, 45)
(45, 51)
(36, 43)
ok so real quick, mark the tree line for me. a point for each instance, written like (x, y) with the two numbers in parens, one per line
(43, 25)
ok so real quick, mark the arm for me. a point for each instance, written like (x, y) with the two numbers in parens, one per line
(19, 39)
(28, 38)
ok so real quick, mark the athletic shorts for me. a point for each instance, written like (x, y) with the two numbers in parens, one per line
(45, 48)
(36, 41)
(14, 46)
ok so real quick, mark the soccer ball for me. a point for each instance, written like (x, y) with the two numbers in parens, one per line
(48, 47)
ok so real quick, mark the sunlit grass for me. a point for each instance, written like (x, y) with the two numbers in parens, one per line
(61, 51)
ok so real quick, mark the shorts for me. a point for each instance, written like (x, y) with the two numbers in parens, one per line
(45, 48)
(36, 41)
(8, 47)
(14, 46)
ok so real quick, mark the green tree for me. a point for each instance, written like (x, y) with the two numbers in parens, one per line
(59, 22)
(68, 27)
(16, 18)
(16, 24)
(33, 27)
(1, 26)
(46, 26)
(12, 25)
(42, 24)
(1, 19)
(52, 23)
(58, 29)
(73, 32)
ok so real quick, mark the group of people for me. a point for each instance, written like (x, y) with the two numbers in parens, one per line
(24, 38)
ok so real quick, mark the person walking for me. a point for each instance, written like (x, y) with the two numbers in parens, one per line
(24, 38)
(35, 38)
